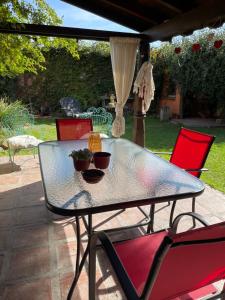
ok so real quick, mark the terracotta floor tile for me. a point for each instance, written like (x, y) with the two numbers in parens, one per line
(32, 188)
(31, 215)
(32, 236)
(34, 290)
(80, 292)
(64, 231)
(9, 179)
(66, 255)
(6, 202)
(30, 200)
(29, 262)
(6, 218)
(4, 239)
(1, 262)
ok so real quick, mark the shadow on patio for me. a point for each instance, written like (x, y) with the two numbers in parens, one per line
(38, 248)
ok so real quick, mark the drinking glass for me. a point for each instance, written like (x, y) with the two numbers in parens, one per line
(94, 142)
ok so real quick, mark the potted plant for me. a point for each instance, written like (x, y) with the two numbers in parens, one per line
(101, 159)
(81, 159)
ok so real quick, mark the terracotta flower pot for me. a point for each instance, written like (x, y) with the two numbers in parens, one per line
(81, 165)
(101, 159)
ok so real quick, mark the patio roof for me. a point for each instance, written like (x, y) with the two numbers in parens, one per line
(153, 19)
(159, 19)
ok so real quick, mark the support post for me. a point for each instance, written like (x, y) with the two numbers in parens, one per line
(139, 115)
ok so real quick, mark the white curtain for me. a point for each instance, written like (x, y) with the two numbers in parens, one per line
(144, 85)
(123, 56)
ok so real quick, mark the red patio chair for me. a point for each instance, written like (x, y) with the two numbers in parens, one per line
(72, 129)
(190, 152)
(167, 265)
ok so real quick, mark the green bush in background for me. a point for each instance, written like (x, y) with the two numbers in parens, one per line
(86, 79)
(200, 74)
(8, 109)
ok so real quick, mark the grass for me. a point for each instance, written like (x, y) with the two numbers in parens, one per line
(160, 136)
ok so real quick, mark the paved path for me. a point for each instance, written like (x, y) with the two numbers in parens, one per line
(37, 248)
(199, 122)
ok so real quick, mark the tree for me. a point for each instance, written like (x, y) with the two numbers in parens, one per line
(20, 53)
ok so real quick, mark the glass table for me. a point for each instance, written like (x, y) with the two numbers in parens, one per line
(135, 177)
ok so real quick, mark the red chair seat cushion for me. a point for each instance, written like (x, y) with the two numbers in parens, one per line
(184, 269)
(137, 256)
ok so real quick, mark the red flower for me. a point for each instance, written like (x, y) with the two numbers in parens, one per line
(218, 44)
(177, 50)
(196, 47)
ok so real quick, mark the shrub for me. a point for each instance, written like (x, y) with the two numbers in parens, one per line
(8, 110)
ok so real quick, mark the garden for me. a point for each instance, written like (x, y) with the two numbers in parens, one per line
(40, 71)
(160, 137)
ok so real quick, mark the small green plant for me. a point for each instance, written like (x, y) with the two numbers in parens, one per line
(9, 108)
(3, 137)
(83, 154)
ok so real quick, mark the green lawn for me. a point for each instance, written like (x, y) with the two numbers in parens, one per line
(160, 136)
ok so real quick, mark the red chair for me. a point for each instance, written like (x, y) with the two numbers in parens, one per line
(168, 265)
(72, 129)
(190, 153)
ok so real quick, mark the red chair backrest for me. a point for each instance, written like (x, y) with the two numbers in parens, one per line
(72, 129)
(191, 150)
(189, 267)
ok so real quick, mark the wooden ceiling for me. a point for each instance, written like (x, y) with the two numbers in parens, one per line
(153, 19)
(159, 19)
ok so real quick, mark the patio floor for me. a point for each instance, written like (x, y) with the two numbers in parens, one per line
(37, 248)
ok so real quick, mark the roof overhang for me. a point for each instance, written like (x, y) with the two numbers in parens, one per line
(154, 19)
(64, 32)
(159, 19)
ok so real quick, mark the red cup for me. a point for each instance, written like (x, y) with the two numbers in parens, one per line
(101, 159)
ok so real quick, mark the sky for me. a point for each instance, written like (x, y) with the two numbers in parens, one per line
(76, 17)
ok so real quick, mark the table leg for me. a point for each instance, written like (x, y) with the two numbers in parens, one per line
(92, 238)
(79, 265)
(77, 268)
(89, 251)
(151, 215)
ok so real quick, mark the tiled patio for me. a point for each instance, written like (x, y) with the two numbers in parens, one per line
(37, 248)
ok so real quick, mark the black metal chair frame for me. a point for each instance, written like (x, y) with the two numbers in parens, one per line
(166, 244)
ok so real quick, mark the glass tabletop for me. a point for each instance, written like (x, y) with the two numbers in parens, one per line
(135, 177)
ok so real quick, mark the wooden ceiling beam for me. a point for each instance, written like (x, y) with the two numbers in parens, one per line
(127, 7)
(210, 11)
(111, 13)
(168, 6)
(64, 32)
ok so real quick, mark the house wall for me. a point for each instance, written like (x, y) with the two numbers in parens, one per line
(173, 102)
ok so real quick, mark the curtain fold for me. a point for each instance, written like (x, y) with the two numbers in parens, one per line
(123, 56)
